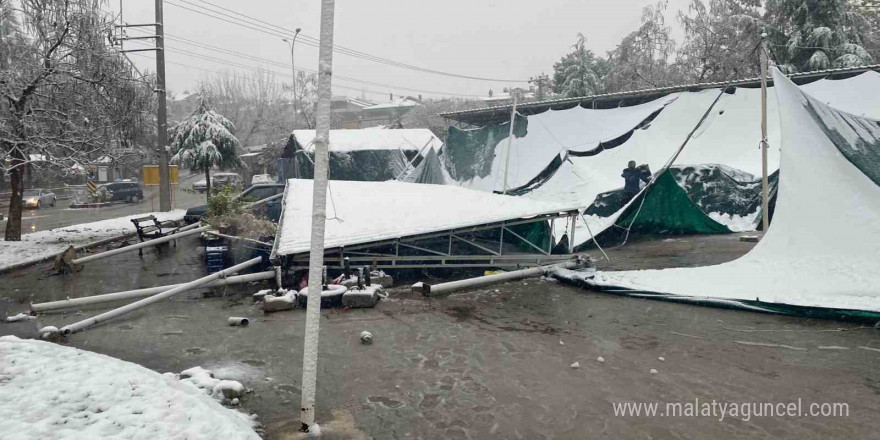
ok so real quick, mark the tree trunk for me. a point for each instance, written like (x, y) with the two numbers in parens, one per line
(16, 181)
(208, 185)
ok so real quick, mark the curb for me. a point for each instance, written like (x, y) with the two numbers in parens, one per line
(101, 242)
(80, 248)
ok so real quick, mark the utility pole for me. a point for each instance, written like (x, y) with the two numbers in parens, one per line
(161, 114)
(514, 93)
(319, 219)
(765, 185)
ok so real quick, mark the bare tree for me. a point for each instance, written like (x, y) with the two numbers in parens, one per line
(65, 93)
(254, 103)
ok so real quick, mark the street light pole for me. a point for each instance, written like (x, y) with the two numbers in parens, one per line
(292, 43)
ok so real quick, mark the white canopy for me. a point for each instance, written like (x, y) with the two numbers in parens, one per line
(821, 249)
(363, 212)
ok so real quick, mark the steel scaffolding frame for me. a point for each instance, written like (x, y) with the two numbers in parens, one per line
(470, 247)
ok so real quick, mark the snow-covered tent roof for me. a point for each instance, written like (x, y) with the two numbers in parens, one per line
(407, 139)
(365, 212)
(821, 250)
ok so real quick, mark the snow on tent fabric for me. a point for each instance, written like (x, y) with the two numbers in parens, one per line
(364, 212)
(371, 154)
(478, 156)
(849, 94)
(820, 252)
(430, 170)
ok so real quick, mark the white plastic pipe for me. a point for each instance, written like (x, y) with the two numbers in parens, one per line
(135, 247)
(140, 293)
(263, 201)
(439, 289)
(81, 325)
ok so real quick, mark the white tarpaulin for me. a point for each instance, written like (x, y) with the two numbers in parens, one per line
(553, 132)
(363, 212)
(821, 250)
(856, 95)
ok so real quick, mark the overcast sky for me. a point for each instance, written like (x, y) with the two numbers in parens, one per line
(510, 40)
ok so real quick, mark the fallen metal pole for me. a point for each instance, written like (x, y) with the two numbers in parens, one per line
(140, 293)
(232, 237)
(86, 323)
(439, 289)
(135, 247)
(262, 201)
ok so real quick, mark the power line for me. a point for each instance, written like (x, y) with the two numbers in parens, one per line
(279, 31)
(284, 65)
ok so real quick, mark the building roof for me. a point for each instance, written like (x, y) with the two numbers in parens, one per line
(501, 113)
(406, 139)
(400, 103)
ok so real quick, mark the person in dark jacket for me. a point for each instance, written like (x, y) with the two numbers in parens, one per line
(631, 176)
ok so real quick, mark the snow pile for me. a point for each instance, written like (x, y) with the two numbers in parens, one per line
(44, 244)
(285, 301)
(223, 390)
(56, 392)
(821, 250)
(20, 317)
(735, 222)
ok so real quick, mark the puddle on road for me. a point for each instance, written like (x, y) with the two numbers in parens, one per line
(196, 350)
(385, 401)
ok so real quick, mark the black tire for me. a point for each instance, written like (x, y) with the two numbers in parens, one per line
(133, 199)
(53, 202)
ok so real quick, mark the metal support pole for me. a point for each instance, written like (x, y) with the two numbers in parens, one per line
(86, 323)
(319, 218)
(510, 139)
(765, 185)
(161, 114)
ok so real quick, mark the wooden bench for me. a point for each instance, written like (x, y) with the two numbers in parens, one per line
(155, 230)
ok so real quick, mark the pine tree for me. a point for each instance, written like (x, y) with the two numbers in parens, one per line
(204, 140)
(579, 73)
(817, 34)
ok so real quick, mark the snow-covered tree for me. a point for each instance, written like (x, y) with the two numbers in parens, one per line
(720, 38)
(811, 35)
(580, 72)
(204, 140)
(644, 58)
(66, 96)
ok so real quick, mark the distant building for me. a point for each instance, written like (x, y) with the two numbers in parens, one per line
(355, 113)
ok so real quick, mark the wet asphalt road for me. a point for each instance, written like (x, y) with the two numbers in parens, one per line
(488, 363)
(48, 217)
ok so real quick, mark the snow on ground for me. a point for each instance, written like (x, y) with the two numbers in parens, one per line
(736, 223)
(42, 244)
(55, 392)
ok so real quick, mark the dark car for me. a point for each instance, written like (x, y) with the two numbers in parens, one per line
(271, 210)
(122, 192)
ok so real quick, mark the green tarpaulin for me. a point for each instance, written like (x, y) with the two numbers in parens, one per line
(469, 153)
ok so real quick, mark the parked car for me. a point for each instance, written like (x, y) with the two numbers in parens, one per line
(37, 198)
(261, 178)
(271, 210)
(219, 180)
(130, 192)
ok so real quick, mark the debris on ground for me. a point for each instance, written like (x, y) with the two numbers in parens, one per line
(285, 301)
(575, 365)
(261, 295)
(20, 317)
(366, 337)
(223, 390)
(600, 360)
(661, 359)
(367, 296)
(653, 371)
(53, 391)
(561, 343)
(238, 321)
